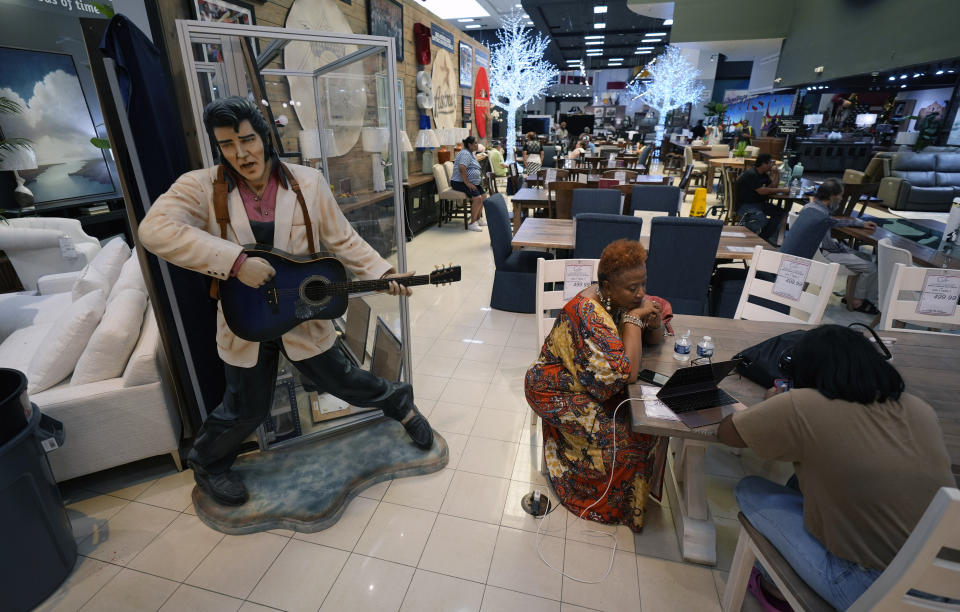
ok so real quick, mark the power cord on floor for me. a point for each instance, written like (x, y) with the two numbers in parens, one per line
(613, 552)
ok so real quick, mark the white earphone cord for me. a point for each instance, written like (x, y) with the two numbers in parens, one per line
(613, 553)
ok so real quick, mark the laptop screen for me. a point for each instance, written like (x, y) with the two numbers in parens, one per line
(696, 378)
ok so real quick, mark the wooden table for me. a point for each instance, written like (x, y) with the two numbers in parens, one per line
(559, 234)
(922, 255)
(723, 161)
(527, 198)
(927, 362)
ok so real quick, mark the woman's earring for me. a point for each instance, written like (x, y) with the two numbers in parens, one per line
(605, 300)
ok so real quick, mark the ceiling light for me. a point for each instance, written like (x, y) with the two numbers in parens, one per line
(902, 86)
(599, 26)
(651, 40)
(656, 34)
(939, 72)
(465, 20)
(616, 59)
(903, 76)
(668, 22)
(593, 42)
(645, 48)
(600, 9)
(892, 78)
(949, 71)
(518, 5)
(594, 54)
(593, 37)
(475, 26)
(454, 10)
(641, 52)
(916, 74)
(529, 23)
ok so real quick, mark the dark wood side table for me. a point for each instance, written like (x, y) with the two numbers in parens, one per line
(420, 201)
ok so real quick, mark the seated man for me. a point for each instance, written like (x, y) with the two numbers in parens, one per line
(753, 187)
(825, 202)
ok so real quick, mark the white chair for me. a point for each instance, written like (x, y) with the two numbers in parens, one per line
(751, 151)
(823, 275)
(648, 216)
(887, 256)
(449, 198)
(698, 166)
(916, 566)
(448, 170)
(553, 271)
(911, 280)
(722, 149)
(33, 246)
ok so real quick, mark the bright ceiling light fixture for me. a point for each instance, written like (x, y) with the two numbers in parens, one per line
(642, 52)
(656, 34)
(598, 10)
(594, 37)
(593, 42)
(594, 54)
(599, 26)
(668, 22)
(475, 26)
(468, 19)
(454, 10)
(651, 40)
(645, 48)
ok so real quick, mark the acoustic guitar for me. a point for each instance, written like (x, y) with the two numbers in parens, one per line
(305, 287)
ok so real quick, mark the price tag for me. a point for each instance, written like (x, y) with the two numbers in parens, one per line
(67, 249)
(576, 277)
(621, 177)
(791, 277)
(941, 289)
(551, 176)
(49, 444)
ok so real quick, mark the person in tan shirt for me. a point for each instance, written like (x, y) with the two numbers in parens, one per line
(868, 457)
(263, 201)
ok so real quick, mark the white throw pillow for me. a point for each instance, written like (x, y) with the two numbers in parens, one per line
(90, 279)
(63, 344)
(108, 261)
(131, 277)
(18, 348)
(142, 366)
(110, 345)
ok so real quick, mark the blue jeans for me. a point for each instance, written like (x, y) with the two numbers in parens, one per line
(777, 512)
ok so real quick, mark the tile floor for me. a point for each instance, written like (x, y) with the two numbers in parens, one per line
(453, 540)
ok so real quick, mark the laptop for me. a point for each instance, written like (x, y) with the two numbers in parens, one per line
(692, 393)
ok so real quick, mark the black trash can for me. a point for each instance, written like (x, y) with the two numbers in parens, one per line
(38, 551)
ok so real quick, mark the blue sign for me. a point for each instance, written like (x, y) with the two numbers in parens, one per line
(441, 37)
(481, 58)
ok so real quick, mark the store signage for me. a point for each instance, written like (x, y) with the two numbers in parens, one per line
(441, 37)
(789, 124)
(481, 101)
(481, 58)
(446, 91)
(81, 8)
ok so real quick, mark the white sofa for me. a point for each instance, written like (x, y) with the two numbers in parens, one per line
(33, 246)
(109, 422)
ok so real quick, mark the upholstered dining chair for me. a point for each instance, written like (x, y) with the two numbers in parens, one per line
(656, 197)
(594, 231)
(680, 261)
(514, 281)
(606, 201)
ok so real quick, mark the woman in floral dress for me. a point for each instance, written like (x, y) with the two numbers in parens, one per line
(591, 355)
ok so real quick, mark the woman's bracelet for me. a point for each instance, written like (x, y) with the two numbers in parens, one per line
(628, 318)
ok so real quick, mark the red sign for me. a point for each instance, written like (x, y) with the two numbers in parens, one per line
(481, 102)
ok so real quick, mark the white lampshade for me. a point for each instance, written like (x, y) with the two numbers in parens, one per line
(427, 139)
(405, 143)
(907, 138)
(374, 139)
(448, 136)
(20, 158)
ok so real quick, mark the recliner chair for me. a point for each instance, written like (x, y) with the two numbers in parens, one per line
(922, 181)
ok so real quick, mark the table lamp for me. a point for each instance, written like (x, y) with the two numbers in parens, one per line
(20, 158)
(907, 138)
(448, 138)
(405, 148)
(427, 140)
(374, 140)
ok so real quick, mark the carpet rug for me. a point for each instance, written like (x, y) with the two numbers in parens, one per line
(307, 486)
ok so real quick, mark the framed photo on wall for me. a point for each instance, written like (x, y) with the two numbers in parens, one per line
(386, 19)
(221, 11)
(466, 65)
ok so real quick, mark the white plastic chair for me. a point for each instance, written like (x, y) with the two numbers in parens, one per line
(33, 246)
(887, 256)
(648, 216)
(911, 279)
(823, 275)
(916, 566)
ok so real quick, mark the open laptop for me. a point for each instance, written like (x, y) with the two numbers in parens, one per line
(692, 393)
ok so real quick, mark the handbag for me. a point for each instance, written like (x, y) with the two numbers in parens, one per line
(772, 359)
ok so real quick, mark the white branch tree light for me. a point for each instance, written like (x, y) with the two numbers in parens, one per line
(673, 83)
(518, 72)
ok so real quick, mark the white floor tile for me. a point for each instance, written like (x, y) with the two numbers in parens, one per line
(425, 492)
(659, 537)
(237, 563)
(490, 457)
(126, 533)
(396, 533)
(430, 592)
(187, 597)
(618, 592)
(433, 365)
(676, 586)
(449, 417)
(496, 337)
(464, 392)
(458, 333)
(527, 466)
(88, 577)
(249, 606)
(130, 590)
(514, 516)
(419, 345)
(478, 371)
(178, 550)
(511, 375)
(496, 599)
(470, 316)
(345, 533)
(720, 497)
(517, 563)
(455, 444)
(300, 578)
(518, 357)
(368, 585)
(505, 397)
(487, 353)
(523, 339)
(476, 497)
(89, 514)
(171, 492)
(565, 607)
(450, 349)
(460, 548)
(426, 386)
(375, 491)
(750, 603)
(499, 320)
(580, 531)
(498, 424)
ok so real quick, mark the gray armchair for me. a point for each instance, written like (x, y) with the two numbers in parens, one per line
(922, 181)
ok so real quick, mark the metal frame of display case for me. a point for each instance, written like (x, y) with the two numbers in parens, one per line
(196, 32)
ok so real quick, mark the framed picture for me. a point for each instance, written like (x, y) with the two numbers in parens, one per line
(466, 65)
(46, 89)
(386, 19)
(221, 11)
(467, 106)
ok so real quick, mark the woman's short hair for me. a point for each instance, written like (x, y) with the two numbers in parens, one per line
(531, 135)
(620, 255)
(469, 140)
(840, 363)
(230, 112)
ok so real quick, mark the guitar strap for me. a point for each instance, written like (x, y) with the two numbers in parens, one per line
(222, 211)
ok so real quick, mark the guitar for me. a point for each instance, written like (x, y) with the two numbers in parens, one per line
(305, 287)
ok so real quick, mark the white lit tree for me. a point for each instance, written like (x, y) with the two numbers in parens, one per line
(672, 83)
(518, 72)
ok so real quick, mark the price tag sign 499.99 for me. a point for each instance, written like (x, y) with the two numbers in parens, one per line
(941, 290)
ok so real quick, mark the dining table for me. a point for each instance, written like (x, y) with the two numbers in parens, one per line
(928, 364)
(922, 255)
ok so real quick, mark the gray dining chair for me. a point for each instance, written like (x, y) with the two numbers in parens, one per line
(681, 259)
(594, 231)
(606, 201)
(656, 197)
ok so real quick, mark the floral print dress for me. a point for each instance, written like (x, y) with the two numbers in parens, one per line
(574, 386)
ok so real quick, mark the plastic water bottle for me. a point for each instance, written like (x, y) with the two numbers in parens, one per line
(705, 347)
(795, 188)
(681, 347)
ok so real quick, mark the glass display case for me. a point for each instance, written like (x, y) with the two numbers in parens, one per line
(332, 100)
